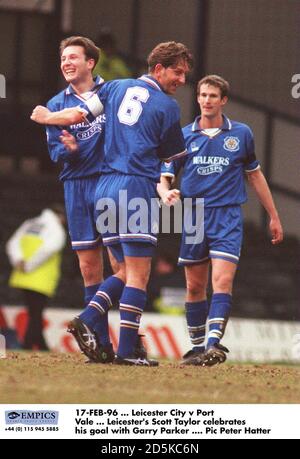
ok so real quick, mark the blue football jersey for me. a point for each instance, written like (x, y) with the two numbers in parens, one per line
(142, 126)
(89, 137)
(215, 163)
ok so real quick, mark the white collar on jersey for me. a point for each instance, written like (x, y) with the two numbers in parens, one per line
(226, 124)
(97, 80)
(150, 80)
(211, 132)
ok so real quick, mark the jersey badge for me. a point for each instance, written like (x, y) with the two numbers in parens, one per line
(231, 143)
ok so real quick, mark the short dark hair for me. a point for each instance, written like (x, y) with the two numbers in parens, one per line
(217, 81)
(90, 49)
(168, 54)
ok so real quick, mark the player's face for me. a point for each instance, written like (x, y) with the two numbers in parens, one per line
(74, 65)
(171, 78)
(210, 101)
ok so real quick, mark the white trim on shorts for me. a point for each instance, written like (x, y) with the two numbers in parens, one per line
(224, 254)
(78, 243)
(191, 262)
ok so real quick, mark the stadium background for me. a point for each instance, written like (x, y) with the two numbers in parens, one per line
(252, 43)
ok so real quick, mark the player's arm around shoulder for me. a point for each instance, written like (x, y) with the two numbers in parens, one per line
(65, 117)
(258, 182)
(94, 106)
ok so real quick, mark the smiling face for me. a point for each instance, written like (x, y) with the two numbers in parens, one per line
(171, 78)
(75, 66)
(211, 101)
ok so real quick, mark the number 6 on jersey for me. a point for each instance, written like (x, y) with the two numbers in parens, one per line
(131, 107)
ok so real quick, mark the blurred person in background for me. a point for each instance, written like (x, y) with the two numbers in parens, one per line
(35, 252)
(110, 65)
(220, 151)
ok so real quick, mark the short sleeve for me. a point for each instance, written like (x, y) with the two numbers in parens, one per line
(94, 106)
(251, 163)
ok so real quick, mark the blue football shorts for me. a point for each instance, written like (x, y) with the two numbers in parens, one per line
(127, 214)
(222, 237)
(131, 249)
(79, 202)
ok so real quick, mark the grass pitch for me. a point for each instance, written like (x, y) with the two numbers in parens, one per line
(32, 377)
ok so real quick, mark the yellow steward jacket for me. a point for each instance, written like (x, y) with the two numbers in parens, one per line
(38, 242)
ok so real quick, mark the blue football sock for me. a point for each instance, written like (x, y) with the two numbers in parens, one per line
(196, 316)
(218, 317)
(95, 314)
(99, 327)
(132, 304)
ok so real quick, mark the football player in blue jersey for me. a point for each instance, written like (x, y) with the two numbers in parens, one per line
(220, 151)
(80, 151)
(142, 128)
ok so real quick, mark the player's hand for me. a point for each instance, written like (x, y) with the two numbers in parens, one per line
(69, 141)
(40, 114)
(276, 230)
(171, 197)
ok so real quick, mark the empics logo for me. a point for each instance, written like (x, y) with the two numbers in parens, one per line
(13, 415)
(2, 87)
(296, 89)
(31, 417)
